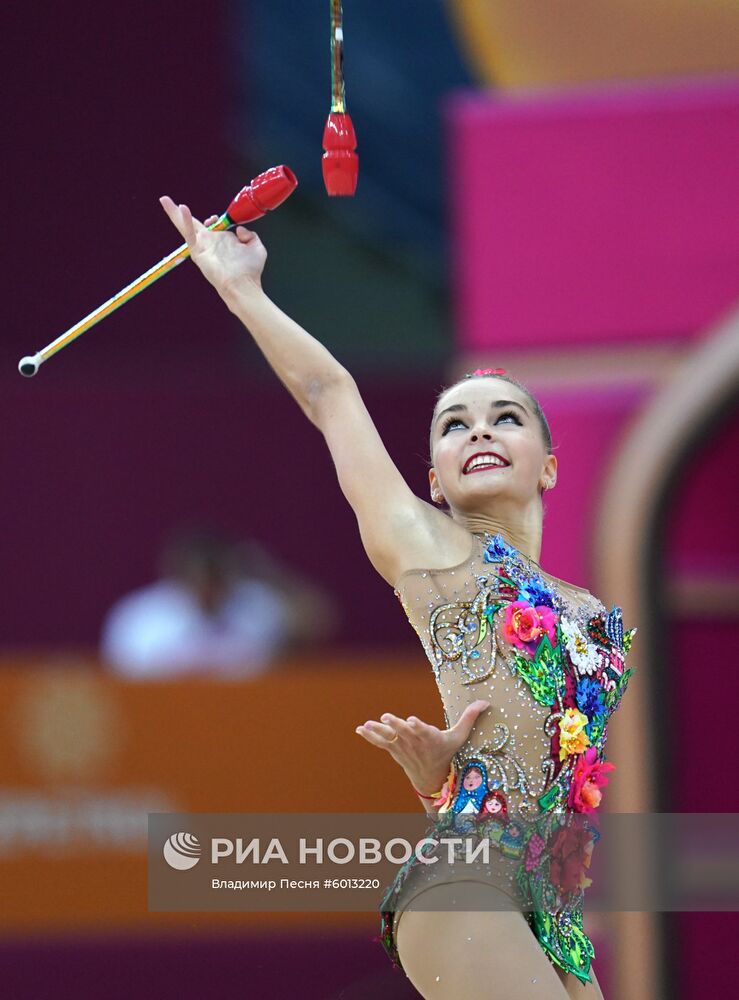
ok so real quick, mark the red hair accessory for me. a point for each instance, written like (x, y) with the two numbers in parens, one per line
(489, 371)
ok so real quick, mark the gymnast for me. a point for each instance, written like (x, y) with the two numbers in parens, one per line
(529, 667)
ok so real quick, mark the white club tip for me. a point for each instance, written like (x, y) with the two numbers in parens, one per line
(28, 366)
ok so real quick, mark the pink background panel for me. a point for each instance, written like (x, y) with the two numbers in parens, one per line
(587, 429)
(608, 215)
(703, 528)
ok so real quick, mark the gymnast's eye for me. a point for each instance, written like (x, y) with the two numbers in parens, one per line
(509, 413)
(450, 423)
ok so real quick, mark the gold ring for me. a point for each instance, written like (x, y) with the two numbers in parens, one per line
(397, 736)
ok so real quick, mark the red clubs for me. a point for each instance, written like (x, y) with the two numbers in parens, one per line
(340, 163)
(264, 193)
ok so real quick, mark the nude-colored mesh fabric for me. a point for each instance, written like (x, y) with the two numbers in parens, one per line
(446, 608)
(551, 661)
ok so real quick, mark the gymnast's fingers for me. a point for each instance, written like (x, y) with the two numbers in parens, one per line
(210, 220)
(397, 724)
(420, 728)
(192, 226)
(458, 734)
(391, 731)
(173, 212)
(246, 235)
(181, 219)
(378, 735)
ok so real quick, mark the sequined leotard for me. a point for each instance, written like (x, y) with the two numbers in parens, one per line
(550, 660)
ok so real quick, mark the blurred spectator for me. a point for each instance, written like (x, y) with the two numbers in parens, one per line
(220, 609)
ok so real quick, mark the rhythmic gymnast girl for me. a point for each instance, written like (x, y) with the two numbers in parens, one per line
(529, 667)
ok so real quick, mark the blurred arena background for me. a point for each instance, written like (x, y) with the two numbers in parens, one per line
(547, 187)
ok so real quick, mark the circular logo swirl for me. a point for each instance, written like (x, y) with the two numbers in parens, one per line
(182, 851)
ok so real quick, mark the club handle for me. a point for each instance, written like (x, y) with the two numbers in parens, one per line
(262, 195)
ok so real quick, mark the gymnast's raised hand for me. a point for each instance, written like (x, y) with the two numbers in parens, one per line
(223, 257)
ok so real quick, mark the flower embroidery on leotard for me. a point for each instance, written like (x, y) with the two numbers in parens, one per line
(572, 662)
(588, 777)
(578, 668)
(572, 736)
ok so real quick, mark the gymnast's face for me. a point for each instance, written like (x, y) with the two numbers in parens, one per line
(487, 448)
(472, 780)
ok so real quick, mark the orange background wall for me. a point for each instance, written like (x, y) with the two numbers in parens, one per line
(83, 757)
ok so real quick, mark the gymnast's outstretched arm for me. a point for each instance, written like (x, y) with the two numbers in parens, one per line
(399, 530)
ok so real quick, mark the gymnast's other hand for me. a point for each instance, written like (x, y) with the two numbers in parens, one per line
(424, 752)
(226, 259)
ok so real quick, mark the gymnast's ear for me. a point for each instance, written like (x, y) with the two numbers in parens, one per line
(548, 474)
(437, 496)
